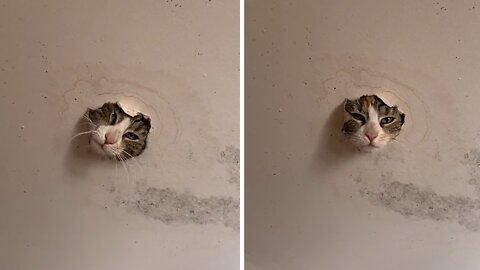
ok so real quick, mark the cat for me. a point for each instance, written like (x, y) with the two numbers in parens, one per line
(370, 123)
(114, 133)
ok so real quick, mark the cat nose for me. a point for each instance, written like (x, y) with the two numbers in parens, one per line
(109, 138)
(371, 135)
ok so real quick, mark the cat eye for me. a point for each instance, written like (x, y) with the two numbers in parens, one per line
(113, 118)
(131, 136)
(386, 120)
(358, 117)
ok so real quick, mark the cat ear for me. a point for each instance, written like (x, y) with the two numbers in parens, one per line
(118, 107)
(347, 104)
(146, 120)
(87, 113)
(402, 116)
(380, 101)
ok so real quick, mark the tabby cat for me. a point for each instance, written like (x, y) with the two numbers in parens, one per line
(370, 122)
(115, 133)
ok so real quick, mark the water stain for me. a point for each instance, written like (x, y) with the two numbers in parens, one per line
(410, 200)
(231, 157)
(472, 160)
(172, 207)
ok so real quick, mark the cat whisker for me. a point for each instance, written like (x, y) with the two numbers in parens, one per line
(116, 168)
(88, 121)
(86, 118)
(132, 157)
(122, 161)
(135, 176)
(91, 125)
(117, 152)
(83, 133)
(116, 165)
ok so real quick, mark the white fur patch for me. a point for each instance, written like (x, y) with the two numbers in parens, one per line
(116, 131)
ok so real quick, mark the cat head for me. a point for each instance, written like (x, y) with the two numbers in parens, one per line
(370, 122)
(117, 134)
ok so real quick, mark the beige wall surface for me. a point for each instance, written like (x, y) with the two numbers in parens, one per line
(312, 202)
(176, 206)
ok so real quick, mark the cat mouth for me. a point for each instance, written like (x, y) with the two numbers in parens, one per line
(102, 148)
(371, 145)
(108, 149)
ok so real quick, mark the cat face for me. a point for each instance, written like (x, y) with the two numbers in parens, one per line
(115, 133)
(369, 122)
